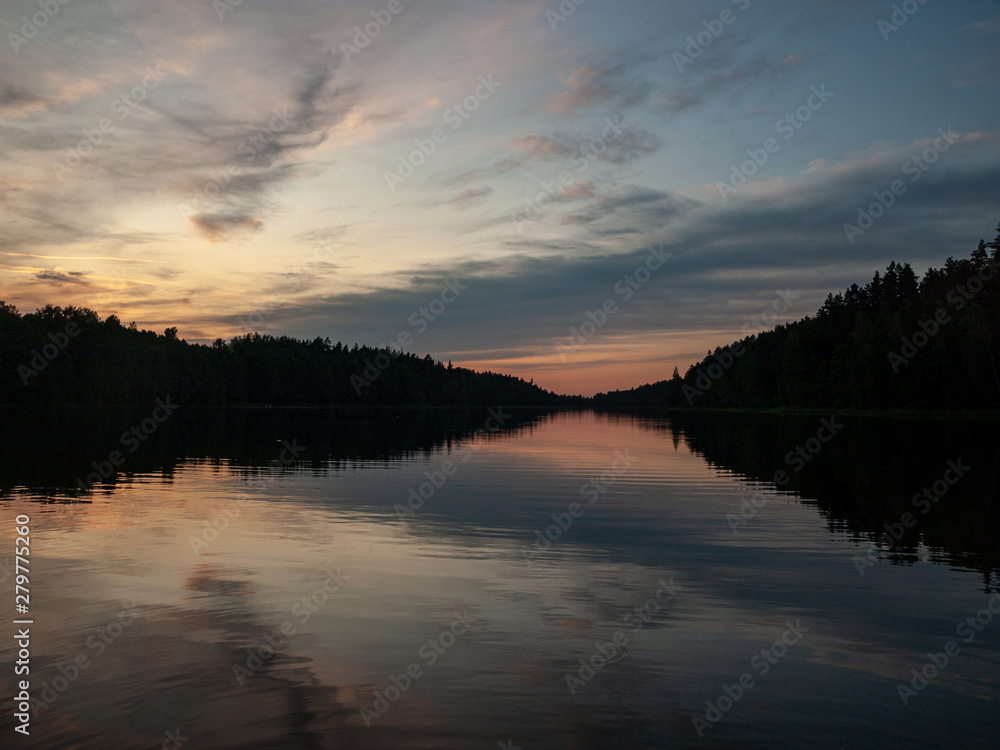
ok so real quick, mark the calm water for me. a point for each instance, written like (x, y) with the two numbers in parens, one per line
(330, 607)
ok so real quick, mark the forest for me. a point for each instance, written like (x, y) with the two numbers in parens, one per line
(899, 342)
(71, 356)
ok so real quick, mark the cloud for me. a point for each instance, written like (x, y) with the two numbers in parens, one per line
(984, 27)
(166, 273)
(62, 277)
(588, 85)
(541, 146)
(600, 143)
(255, 159)
(469, 197)
(592, 142)
(585, 85)
(217, 227)
(325, 235)
(496, 169)
(681, 99)
(793, 61)
(732, 74)
(632, 197)
(579, 189)
(16, 102)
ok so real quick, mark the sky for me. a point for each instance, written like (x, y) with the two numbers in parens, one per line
(586, 193)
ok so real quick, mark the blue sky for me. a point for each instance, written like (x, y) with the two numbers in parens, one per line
(224, 168)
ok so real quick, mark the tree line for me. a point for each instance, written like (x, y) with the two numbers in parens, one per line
(71, 356)
(899, 342)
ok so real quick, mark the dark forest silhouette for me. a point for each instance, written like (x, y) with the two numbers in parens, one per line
(899, 342)
(71, 356)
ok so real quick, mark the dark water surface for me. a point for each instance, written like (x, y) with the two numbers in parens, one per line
(577, 580)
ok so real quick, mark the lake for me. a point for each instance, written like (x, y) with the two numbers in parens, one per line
(503, 579)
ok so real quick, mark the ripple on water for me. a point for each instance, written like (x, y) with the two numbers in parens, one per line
(562, 652)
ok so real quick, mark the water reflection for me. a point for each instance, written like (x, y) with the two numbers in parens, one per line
(308, 604)
(870, 475)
